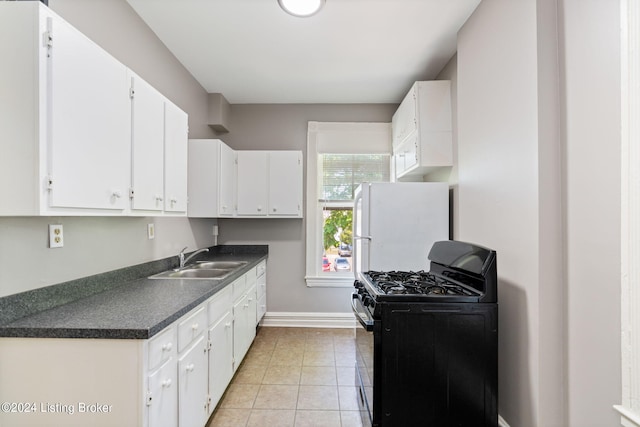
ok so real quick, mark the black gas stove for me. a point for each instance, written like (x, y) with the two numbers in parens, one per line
(427, 348)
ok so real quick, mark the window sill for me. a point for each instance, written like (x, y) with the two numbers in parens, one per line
(628, 418)
(329, 282)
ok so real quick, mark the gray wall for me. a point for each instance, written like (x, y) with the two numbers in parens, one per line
(590, 35)
(98, 244)
(538, 158)
(281, 127)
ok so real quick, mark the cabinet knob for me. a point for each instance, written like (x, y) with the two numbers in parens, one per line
(116, 194)
(159, 198)
(190, 367)
(274, 209)
(173, 200)
(259, 208)
(167, 347)
(195, 326)
(227, 325)
(166, 383)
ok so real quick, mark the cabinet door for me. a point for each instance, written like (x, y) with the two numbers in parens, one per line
(162, 396)
(406, 155)
(89, 119)
(240, 327)
(227, 182)
(192, 385)
(147, 151)
(220, 358)
(252, 307)
(252, 183)
(285, 183)
(176, 128)
(404, 120)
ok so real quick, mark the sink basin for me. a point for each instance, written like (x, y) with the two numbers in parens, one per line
(218, 264)
(194, 273)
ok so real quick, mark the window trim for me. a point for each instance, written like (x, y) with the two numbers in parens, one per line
(325, 137)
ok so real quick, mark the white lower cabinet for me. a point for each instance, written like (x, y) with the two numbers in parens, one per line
(192, 385)
(220, 358)
(244, 316)
(162, 396)
(261, 291)
(174, 379)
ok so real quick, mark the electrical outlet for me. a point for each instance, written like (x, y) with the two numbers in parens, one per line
(56, 237)
(215, 230)
(151, 231)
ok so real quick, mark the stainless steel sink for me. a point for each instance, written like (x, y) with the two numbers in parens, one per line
(218, 264)
(195, 273)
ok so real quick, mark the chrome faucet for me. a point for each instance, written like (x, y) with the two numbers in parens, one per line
(184, 261)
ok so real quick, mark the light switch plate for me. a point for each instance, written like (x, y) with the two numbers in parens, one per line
(151, 231)
(56, 237)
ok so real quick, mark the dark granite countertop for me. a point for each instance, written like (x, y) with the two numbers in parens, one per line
(123, 307)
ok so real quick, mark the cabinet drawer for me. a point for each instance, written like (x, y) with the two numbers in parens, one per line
(220, 304)
(250, 276)
(261, 269)
(239, 287)
(191, 327)
(162, 346)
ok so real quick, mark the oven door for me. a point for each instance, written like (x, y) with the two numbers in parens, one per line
(364, 371)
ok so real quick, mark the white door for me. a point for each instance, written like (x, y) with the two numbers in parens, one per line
(192, 383)
(240, 328)
(162, 396)
(176, 128)
(227, 183)
(220, 358)
(89, 118)
(285, 183)
(147, 149)
(252, 183)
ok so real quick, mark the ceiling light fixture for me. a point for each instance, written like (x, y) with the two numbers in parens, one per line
(301, 8)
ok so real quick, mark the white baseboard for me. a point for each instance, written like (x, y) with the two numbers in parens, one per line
(502, 422)
(309, 320)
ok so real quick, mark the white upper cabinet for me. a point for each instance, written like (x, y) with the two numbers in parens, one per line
(422, 130)
(147, 146)
(66, 123)
(270, 184)
(211, 179)
(89, 123)
(285, 183)
(253, 186)
(176, 130)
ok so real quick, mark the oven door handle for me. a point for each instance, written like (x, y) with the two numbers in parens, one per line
(363, 315)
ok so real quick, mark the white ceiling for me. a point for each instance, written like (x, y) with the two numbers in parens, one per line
(352, 51)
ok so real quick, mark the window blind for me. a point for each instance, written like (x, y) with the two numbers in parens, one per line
(342, 173)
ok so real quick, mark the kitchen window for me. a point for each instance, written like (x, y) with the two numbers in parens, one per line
(339, 157)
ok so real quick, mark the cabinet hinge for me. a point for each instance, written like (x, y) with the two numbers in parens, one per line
(48, 39)
(131, 192)
(49, 183)
(209, 345)
(132, 92)
(149, 399)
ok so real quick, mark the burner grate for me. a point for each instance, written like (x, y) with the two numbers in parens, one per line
(418, 283)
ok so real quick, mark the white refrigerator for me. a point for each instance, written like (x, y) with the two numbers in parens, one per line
(395, 224)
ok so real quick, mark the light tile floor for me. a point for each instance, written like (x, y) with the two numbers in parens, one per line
(293, 377)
